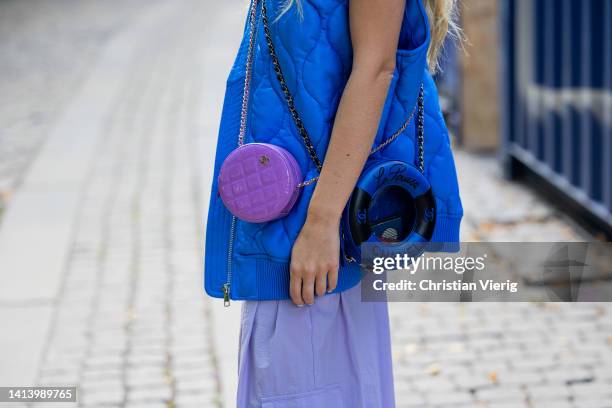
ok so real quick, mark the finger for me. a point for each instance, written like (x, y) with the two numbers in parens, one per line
(308, 283)
(321, 284)
(332, 279)
(295, 288)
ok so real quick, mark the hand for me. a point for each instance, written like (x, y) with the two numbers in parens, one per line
(314, 260)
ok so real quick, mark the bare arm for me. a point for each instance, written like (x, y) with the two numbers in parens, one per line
(375, 27)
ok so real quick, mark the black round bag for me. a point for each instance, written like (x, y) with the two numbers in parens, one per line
(392, 203)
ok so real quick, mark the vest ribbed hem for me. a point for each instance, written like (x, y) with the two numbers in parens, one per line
(269, 280)
(272, 279)
(446, 232)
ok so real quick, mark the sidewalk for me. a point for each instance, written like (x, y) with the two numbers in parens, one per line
(48, 49)
(101, 244)
(101, 250)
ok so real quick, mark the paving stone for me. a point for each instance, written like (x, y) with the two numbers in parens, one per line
(551, 404)
(602, 403)
(603, 374)
(474, 382)
(147, 360)
(102, 397)
(428, 384)
(152, 394)
(501, 393)
(97, 374)
(514, 404)
(184, 399)
(548, 394)
(148, 404)
(591, 390)
(409, 400)
(569, 376)
(205, 384)
(107, 384)
(62, 379)
(437, 397)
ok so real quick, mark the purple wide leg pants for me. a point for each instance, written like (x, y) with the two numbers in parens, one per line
(335, 353)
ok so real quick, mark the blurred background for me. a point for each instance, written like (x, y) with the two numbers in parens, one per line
(109, 114)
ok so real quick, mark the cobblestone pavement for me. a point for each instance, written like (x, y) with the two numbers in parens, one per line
(131, 326)
(45, 49)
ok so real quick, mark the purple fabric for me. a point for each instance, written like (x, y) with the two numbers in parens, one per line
(258, 182)
(335, 353)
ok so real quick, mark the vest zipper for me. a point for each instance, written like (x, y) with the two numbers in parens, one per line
(227, 286)
(230, 251)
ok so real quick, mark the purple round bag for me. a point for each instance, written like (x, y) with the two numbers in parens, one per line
(259, 182)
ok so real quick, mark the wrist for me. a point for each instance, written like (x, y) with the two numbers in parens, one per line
(322, 214)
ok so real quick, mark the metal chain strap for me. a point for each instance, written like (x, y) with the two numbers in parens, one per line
(291, 105)
(288, 97)
(247, 77)
(394, 135)
(421, 131)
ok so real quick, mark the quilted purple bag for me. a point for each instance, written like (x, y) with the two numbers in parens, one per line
(260, 182)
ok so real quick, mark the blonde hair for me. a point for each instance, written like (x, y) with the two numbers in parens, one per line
(442, 16)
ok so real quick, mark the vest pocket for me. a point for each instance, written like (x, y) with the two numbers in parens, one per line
(329, 396)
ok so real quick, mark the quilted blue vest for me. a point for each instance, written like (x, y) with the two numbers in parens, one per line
(251, 261)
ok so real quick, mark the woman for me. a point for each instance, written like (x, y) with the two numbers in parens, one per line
(354, 70)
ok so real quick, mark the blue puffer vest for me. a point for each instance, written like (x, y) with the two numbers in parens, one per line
(252, 260)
